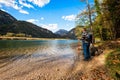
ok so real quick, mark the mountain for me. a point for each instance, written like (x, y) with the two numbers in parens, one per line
(61, 32)
(5, 18)
(71, 34)
(67, 34)
(9, 24)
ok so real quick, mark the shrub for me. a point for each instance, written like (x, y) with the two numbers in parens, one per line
(20, 35)
(113, 64)
(9, 34)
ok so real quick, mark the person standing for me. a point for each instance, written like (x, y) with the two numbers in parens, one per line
(86, 40)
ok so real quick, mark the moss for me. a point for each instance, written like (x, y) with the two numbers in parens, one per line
(113, 63)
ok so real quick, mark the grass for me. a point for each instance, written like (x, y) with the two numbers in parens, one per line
(113, 63)
(28, 38)
(112, 58)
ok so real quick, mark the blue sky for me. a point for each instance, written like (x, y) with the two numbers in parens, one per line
(50, 14)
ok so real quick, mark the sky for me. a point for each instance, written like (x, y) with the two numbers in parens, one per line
(50, 14)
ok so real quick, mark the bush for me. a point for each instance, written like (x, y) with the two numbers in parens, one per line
(113, 64)
(20, 35)
(10, 34)
(78, 31)
(28, 36)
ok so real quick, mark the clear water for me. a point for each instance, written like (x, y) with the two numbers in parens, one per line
(15, 48)
(22, 56)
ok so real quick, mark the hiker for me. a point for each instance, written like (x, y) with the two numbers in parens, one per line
(86, 40)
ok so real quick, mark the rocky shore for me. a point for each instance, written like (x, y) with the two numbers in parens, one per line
(57, 68)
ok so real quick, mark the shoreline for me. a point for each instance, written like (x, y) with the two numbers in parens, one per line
(62, 69)
(28, 38)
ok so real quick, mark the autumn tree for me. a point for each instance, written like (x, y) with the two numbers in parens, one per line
(111, 11)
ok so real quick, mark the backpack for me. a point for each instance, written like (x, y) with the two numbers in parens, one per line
(90, 38)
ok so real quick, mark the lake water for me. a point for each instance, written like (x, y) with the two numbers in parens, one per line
(36, 59)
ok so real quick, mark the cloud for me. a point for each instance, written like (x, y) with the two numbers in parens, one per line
(32, 20)
(67, 25)
(42, 18)
(9, 3)
(25, 4)
(23, 11)
(51, 27)
(20, 4)
(4, 10)
(0, 6)
(40, 3)
(13, 4)
(69, 17)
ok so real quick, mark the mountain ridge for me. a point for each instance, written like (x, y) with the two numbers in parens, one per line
(66, 34)
(4, 20)
(61, 32)
(10, 24)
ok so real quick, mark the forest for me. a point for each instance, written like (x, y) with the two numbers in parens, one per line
(31, 50)
(102, 19)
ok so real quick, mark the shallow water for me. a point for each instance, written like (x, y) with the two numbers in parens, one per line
(36, 60)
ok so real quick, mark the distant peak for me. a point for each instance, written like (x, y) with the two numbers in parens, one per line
(62, 29)
(61, 32)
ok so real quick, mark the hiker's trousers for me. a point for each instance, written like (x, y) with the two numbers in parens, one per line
(86, 50)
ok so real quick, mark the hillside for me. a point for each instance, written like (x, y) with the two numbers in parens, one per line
(10, 24)
(71, 34)
(61, 32)
(5, 18)
(67, 34)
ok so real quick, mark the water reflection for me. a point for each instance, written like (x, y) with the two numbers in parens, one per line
(34, 55)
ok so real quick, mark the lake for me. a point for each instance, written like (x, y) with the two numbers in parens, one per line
(36, 59)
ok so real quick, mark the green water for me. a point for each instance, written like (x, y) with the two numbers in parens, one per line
(19, 49)
(21, 58)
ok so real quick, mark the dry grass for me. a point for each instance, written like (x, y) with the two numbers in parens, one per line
(27, 38)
